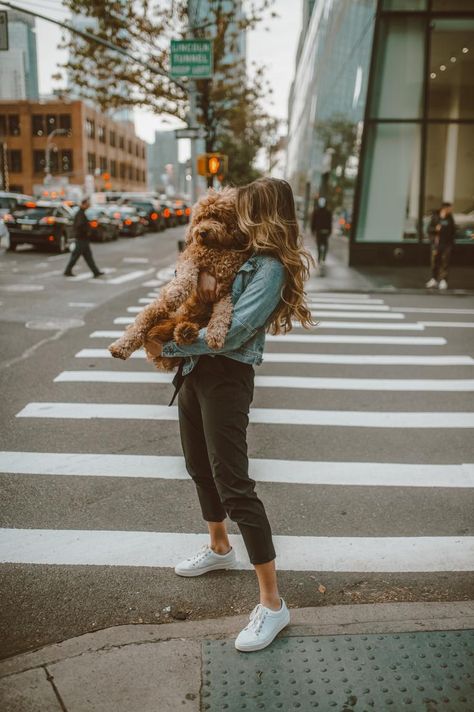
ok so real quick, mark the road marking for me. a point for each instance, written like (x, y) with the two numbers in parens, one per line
(342, 296)
(436, 311)
(331, 384)
(146, 300)
(348, 307)
(73, 547)
(361, 474)
(349, 359)
(356, 315)
(371, 326)
(336, 339)
(81, 304)
(129, 276)
(450, 324)
(137, 260)
(269, 416)
(80, 277)
(153, 283)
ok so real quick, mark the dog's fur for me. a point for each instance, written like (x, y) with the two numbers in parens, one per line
(215, 245)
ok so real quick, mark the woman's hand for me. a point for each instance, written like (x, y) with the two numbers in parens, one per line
(207, 287)
(153, 348)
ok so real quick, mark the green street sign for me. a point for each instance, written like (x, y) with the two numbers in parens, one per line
(191, 58)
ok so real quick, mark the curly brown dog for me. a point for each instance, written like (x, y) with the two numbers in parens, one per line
(213, 244)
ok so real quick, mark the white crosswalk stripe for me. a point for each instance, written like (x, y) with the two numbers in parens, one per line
(302, 553)
(342, 311)
(340, 384)
(362, 474)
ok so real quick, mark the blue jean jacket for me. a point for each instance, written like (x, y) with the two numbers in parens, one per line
(256, 292)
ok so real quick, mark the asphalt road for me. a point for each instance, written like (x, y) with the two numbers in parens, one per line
(365, 468)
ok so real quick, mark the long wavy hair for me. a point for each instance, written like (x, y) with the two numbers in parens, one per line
(266, 215)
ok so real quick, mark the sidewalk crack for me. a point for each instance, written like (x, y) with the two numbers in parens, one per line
(50, 679)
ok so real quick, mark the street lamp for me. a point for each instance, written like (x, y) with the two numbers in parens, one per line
(49, 145)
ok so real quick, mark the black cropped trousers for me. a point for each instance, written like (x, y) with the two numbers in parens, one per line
(213, 404)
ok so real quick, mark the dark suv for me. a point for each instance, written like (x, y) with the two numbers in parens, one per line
(150, 209)
(40, 223)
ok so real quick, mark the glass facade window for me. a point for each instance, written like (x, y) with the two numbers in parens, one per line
(390, 204)
(90, 128)
(449, 173)
(65, 122)
(113, 168)
(112, 138)
(452, 5)
(398, 89)
(38, 125)
(101, 133)
(66, 161)
(14, 161)
(39, 161)
(451, 70)
(51, 123)
(14, 128)
(404, 5)
(123, 171)
(91, 162)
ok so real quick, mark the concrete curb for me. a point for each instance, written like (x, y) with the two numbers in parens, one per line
(332, 620)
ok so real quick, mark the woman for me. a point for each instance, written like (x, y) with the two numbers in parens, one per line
(217, 390)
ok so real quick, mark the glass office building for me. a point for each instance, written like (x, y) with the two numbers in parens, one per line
(403, 141)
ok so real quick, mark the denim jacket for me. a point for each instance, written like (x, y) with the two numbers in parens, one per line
(256, 292)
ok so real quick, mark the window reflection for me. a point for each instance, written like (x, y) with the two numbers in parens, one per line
(451, 70)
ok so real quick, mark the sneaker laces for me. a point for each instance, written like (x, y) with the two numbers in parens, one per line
(257, 618)
(200, 554)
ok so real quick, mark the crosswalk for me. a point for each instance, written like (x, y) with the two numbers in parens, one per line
(317, 386)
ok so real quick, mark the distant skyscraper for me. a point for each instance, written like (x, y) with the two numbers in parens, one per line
(163, 167)
(19, 65)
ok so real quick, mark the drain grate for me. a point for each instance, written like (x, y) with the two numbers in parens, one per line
(425, 671)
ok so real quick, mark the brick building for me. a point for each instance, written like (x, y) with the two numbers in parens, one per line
(88, 145)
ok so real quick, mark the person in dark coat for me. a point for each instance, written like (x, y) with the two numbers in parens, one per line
(80, 233)
(321, 228)
(442, 232)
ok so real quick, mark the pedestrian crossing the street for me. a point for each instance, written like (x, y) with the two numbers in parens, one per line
(370, 368)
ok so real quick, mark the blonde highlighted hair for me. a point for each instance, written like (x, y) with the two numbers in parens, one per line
(266, 215)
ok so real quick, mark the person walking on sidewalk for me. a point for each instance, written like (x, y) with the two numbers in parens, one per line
(216, 390)
(82, 246)
(321, 228)
(442, 231)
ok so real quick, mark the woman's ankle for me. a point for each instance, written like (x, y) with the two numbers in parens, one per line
(221, 547)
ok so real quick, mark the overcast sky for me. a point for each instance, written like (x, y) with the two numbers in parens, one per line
(276, 49)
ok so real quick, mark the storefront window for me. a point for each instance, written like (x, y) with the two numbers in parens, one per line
(451, 71)
(452, 5)
(449, 173)
(404, 5)
(390, 199)
(398, 90)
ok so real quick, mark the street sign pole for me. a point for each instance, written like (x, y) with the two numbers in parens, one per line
(192, 121)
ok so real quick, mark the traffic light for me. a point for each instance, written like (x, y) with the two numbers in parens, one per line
(212, 164)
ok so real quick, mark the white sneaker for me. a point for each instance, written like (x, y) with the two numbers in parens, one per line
(431, 283)
(263, 626)
(443, 284)
(206, 560)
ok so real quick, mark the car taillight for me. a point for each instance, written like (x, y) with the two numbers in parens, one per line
(128, 221)
(179, 212)
(166, 212)
(8, 218)
(51, 238)
(93, 223)
(48, 220)
(29, 204)
(116, 216)
(154, 216)
(188, 211)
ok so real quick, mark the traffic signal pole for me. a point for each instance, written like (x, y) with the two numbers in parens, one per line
(192, 122)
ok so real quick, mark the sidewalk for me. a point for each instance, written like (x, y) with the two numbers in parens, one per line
(355, 657)
(341, 277)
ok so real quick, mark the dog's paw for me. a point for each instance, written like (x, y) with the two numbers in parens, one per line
(186, 333)
(119, 351)
(215, 340)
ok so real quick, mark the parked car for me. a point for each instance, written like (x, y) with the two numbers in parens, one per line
(8, 203)
(128, 219)
(40, 223)
(101, 226)
(169, 213)
(151, 210)
(182, 211)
